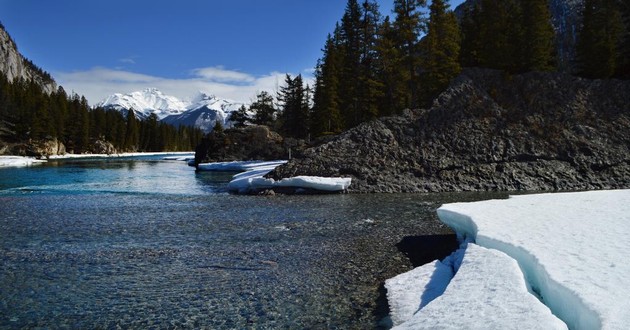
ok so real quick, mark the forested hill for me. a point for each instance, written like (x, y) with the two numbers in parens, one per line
(37, 118)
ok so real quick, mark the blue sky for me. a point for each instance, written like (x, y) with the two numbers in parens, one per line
(230, 48)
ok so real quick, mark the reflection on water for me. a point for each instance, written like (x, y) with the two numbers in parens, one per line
(148, 243)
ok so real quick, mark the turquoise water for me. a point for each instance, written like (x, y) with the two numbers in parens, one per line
(150, 243)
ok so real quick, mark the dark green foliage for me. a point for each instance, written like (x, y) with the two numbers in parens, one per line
(441, 51)
(295, 108)
(538, 50)
(240, 117)
(264, 109)
(326, 112)
(624, 63)
(35, 115)
(407, 28)
(600, 43)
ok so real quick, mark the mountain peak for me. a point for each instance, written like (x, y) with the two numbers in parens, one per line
(203, 111)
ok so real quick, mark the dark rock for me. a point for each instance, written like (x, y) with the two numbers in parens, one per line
(487, 132)
(254, 142)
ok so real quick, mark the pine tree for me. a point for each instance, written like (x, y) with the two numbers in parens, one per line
(295, 111)
(407, 28)
(441, 51)
(538, 48)
(131, 132)
(240, 117)
(264, 109)
(470, 24)
(326, 114)
(390, 69)
(350, 42)
(369, 84)
(600, 38)
(500, 35)
(623, 70)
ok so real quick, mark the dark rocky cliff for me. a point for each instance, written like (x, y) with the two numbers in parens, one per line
(489, 131)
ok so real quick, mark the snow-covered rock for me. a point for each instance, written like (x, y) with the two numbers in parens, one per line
(252, 178)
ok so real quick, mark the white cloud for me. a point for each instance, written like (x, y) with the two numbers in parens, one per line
(219, 74)
(127, 60)
(98, 83)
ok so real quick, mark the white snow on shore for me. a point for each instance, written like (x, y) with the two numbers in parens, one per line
(125, 154)
(571, 249)
(11, 161)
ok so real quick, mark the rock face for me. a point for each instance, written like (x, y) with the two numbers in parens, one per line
(14, 66)
(254, 142)
(488, 132)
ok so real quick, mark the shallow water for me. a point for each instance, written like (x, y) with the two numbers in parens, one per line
(150, 243)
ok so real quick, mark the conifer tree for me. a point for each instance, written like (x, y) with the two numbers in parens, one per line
(240, 117)
(408, 26)
(295, 111)
(600, 38)
(131, 132)
(369, 84)
(441, 51)
(470, 25)
(326, 113)
(390, 68)
(500, 35)
(538, 50)
(264, 109)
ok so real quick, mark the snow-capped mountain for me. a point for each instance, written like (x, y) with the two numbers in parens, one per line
(203, 111)
(146, 102)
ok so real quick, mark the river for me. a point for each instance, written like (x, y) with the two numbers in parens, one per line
(144, 242)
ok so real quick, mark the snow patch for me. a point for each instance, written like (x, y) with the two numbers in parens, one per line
(571, 247)
(16, 161)
(487, 292)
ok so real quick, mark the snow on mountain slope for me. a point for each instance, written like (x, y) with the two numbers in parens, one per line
(146, 102)
(203, 111)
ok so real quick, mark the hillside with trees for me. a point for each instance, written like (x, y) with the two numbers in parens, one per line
(33, 117)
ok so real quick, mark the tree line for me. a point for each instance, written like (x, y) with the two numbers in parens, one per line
(30, 114)
(375, 66)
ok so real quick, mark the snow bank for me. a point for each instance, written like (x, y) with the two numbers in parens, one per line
(240, 166)
(125, 154)
(571, 247)
(488, 292)
(252, 179)
(6, 161)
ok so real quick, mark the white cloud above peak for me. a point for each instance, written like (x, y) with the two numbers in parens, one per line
(98, 83)
(220, 74)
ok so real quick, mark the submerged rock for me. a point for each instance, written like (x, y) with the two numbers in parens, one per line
(488, 132)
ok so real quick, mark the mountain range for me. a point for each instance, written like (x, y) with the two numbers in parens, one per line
(203, 111)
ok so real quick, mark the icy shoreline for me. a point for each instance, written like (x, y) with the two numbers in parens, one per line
(17, 161)
(124, 154)
(251, 180)
(570, 252)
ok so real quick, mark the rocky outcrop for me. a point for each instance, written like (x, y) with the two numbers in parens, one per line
(489, 132)
(14, 66)
(254, 142)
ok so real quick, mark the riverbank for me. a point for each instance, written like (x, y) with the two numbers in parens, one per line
(523, 259)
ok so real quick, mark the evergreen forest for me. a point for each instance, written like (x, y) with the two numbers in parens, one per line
(374, 65)
(28, 114)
